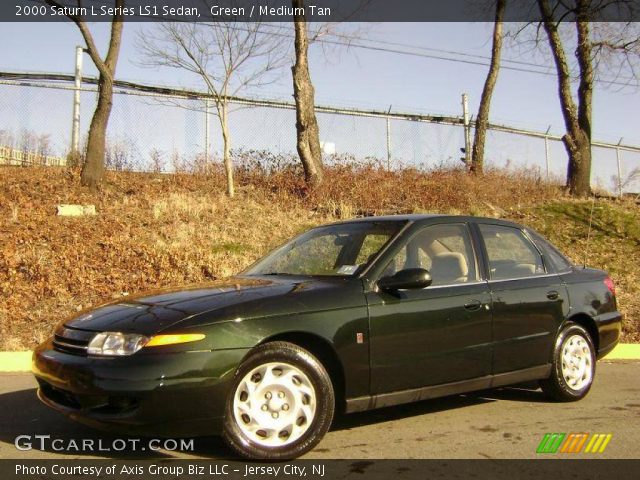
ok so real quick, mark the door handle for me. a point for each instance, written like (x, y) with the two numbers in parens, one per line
(553, 295)
(474, 305)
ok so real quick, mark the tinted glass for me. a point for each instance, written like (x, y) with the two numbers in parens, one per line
(511, 254)
(558, 261)
(335, 250)
(444, 250)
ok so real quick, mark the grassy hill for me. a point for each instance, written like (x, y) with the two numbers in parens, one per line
(155, 230)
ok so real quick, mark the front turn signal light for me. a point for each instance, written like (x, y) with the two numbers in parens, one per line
(174, 339)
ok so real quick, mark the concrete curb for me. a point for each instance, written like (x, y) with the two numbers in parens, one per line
(625, 351)
(21, 361)
(15, 361)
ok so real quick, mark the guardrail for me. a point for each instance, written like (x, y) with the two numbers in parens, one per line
(12, 156)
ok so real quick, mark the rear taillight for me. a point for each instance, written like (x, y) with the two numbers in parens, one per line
(610, 285)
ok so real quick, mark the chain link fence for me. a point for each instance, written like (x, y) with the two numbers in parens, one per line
(177, 132)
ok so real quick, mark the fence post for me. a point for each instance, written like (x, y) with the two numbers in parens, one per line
(546, 150)
(206, 129)
(75, 124)
(389, 139)
(619, 168)
(467, 130)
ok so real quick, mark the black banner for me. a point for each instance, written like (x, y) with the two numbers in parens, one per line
(584, 469)
(314, 10)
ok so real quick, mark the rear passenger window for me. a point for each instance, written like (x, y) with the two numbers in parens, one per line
(553, 256)
(511, 254)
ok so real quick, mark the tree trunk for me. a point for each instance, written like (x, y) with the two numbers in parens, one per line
(93, 168)
(226, 140)
(579, 171)
(308, 135)
(579, 168)
(482, 121)
(577, 119)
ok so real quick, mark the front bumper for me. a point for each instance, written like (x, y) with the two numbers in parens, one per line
(164, 394)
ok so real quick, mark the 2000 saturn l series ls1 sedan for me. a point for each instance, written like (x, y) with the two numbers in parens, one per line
(351, 316)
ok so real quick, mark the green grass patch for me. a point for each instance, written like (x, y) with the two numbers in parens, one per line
(230, 247)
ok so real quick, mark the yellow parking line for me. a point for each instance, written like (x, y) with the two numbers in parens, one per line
(21, 361)
(625, 351)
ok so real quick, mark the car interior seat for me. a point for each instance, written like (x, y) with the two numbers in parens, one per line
(449, 267)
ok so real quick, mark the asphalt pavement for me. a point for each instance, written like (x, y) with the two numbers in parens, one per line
(501, 423)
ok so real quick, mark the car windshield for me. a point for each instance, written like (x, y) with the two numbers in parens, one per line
(335, 250)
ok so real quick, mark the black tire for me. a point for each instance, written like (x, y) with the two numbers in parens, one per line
(289, 355)
(557, 387)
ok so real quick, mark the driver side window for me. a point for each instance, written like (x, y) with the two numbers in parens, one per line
(444, 250)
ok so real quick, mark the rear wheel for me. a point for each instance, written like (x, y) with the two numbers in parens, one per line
(280, 405)
(573, 367)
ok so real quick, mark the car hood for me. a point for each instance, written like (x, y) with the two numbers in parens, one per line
(222, 300)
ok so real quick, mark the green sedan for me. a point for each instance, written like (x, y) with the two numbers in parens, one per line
(346, 317)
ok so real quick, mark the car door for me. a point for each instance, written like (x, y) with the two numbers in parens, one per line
(439, 334)
(528, 302)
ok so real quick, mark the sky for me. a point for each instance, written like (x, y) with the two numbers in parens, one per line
(365, 78)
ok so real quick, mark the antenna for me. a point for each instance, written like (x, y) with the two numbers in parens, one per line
(586, 253)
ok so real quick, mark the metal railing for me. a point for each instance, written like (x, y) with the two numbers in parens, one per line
(11, 156)
(151, 122)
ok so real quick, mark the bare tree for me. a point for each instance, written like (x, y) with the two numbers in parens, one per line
(308, 134)
(626, 181)
(482, 121)
(93, 168)
(228, 57)
(157, 160)
(577, 118)
(595, 42)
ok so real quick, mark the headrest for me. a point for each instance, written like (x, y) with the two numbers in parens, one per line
(449, 265)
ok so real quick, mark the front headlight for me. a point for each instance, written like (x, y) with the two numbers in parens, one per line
(116, 343)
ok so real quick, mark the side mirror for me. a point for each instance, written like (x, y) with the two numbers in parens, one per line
(410, 278)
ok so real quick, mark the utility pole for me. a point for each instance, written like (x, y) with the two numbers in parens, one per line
(206, 129)
(619, 168)
(467, 130)
(389, 139)
(75, 126)
(546, 150)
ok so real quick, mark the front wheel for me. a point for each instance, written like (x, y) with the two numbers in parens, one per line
(573, 366)
(280, 405)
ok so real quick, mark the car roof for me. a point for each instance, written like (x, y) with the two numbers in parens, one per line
(415, 217)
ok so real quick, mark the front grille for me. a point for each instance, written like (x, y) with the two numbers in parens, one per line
(61, 397)
(99, 404)
(71, 340)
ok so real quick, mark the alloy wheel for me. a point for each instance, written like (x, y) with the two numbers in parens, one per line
(274, 404)
(577, 369)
